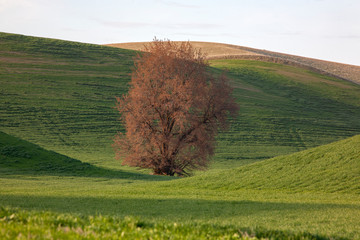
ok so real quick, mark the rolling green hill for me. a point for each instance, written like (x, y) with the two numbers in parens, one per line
(284, 109)
(330, 168)
(312, 194)
(60, 95)
(19, 157)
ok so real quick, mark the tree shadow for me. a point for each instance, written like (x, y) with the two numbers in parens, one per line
(76, 168)
(175, 209)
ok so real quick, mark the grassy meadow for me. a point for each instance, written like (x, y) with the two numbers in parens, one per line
(257, 199)
(284, 109)
(280, 171)
(61, 94)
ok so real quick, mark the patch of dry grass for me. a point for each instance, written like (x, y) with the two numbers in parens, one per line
(225, 51)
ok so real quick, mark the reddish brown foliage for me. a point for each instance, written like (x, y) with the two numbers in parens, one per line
(172, 111)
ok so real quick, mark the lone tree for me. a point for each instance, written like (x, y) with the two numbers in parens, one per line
(173, 110)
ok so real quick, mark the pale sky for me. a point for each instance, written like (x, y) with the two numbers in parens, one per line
(323, 29)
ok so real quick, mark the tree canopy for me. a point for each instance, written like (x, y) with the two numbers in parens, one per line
(173, 110)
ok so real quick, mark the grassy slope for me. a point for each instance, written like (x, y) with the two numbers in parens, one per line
(285, 109)
(226, 51)
(330, 168)
(19, 157)
(280, 114)
(250, 197)
(60, 95)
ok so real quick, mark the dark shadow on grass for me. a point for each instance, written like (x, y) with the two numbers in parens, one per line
(54, 164)
(20, 157)
(75, 168)
(154, 214)
(175, 209)
(184, 210)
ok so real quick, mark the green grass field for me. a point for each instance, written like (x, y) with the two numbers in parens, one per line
(284, 109)
(61, 95)
(256, 198)
(64, 226)
(58, 178)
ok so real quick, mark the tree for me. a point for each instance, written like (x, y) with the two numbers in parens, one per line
(173, 110)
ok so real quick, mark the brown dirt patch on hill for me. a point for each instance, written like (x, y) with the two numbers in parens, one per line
(228, 51)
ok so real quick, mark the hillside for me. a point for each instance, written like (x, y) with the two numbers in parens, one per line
(309, 195)
(19, 157)
(330, 168)
(60, 95)
(285, 109)
(228, 51)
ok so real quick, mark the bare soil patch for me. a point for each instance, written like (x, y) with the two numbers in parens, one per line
(228, 51)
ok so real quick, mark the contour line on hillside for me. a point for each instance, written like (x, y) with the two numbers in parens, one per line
(228, 51)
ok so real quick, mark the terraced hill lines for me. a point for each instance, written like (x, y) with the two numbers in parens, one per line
(228, 51)
(57, 121)
(284, 108)
(60, 95)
